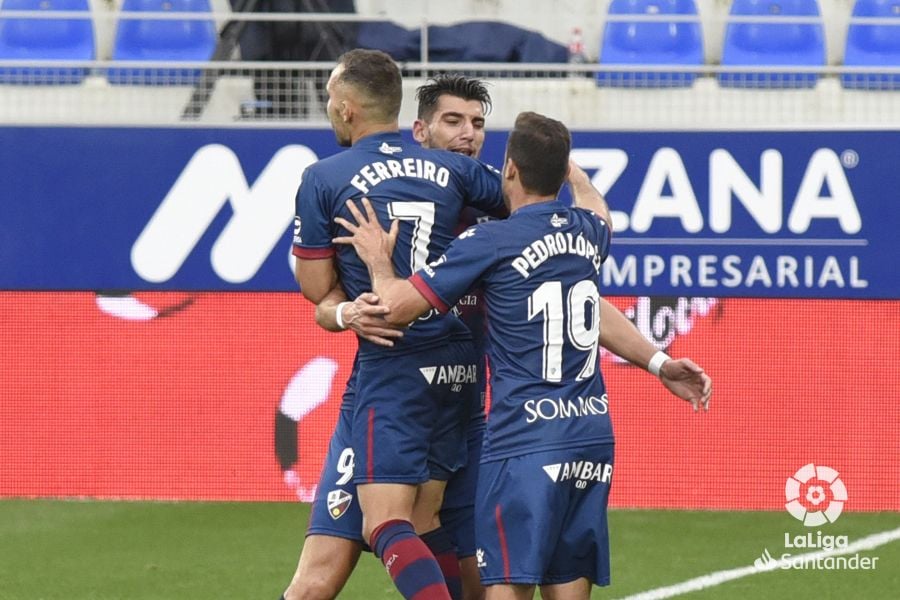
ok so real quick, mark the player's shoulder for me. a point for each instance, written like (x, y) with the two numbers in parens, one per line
(342, 158)
(322, 168)
(333, 171)
(586, 214)
(487, 226)
(461, 162)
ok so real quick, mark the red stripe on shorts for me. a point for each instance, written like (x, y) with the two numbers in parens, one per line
(370, 447)
(504, 551)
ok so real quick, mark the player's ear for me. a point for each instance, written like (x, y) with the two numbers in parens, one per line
(419, 131)
(510, 170)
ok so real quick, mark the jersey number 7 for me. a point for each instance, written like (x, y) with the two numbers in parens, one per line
(421, 214)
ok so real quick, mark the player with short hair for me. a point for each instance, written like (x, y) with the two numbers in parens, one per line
(406, 430)
(548, 453)
(451, 115)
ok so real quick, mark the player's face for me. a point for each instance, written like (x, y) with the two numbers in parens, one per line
(336, 101)
(456, 125)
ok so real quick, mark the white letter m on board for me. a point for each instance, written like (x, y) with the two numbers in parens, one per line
(212, 178)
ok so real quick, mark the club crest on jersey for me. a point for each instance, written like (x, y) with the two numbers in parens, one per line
(386, 148)
(449, 374)
(338, 501)
(428, 268)
(440, 260)
(558, 221)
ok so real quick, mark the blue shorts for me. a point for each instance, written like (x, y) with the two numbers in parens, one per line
(410, 416)
(458, 510)
(542, 517)
(335, 510)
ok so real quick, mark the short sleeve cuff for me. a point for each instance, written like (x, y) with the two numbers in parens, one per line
(423, 288)
(313, 253)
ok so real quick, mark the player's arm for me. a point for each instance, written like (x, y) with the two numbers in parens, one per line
(682, 377)
(374, 247)
(316, 277)
(585, 195)
(315, 268)
(364, 316)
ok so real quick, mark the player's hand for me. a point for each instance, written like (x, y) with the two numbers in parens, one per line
(686, 379)
(585, 195)
(576, 175)
(365, 316)
(372, 243)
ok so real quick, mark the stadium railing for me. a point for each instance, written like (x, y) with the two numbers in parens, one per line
(224, 93)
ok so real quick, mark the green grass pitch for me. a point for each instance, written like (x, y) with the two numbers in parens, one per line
(80, 550)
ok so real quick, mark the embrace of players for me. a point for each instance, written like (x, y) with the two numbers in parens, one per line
(412, 467)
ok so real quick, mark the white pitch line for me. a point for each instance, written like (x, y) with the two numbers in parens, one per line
(719, 577)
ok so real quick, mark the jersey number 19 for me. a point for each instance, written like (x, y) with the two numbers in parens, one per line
(569, 313)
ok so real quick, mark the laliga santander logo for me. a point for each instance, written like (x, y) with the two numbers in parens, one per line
(815, 495)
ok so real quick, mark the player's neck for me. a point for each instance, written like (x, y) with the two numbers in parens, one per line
(365, 130)
(524, 199)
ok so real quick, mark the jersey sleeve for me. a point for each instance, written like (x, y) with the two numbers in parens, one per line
(484, 189)
(312, 219)
(603, 231)
(469, 257)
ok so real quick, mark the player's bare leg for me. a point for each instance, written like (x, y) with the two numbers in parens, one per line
(381, 502)
(580, 589)
(509, 592)
(471, 582)
(324, 567)
(427, 508)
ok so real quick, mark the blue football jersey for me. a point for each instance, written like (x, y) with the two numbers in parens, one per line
(539, 270)
(470, 307)
(424, 189)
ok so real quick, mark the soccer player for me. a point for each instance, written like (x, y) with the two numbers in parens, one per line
(451, 115)
(548, 452)
(406, 428)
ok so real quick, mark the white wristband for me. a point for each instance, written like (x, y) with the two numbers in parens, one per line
(657, 361)
(337, 315)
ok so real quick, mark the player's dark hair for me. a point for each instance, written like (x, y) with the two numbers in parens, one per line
(540, 148)
(460, 86)
(375, 75)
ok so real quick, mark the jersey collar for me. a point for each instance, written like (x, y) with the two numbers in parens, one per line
(390, 139)
(541, 207)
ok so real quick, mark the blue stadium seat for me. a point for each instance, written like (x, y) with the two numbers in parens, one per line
(162, 40)
(45, 40)
(651, 43)
(773, 44)
(874, 46)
